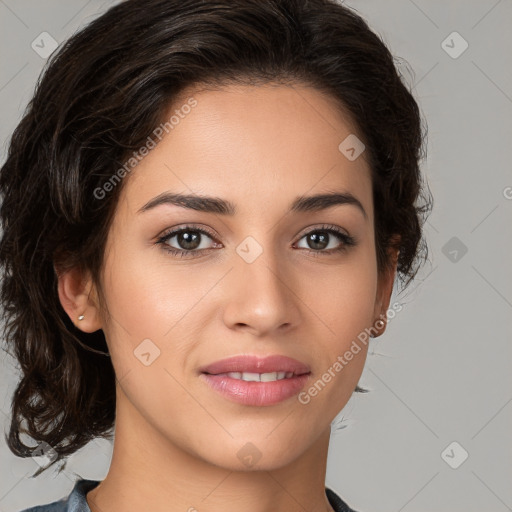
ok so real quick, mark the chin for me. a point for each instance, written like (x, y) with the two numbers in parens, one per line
(258, 454)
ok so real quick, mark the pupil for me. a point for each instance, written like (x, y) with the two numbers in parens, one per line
(319, 241)
(188, 241)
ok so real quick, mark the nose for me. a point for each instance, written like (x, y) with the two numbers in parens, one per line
(260, 295)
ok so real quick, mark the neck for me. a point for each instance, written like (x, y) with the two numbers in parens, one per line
(150, 472)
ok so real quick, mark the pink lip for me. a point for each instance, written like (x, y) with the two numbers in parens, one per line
(256, 393)
(255, 364)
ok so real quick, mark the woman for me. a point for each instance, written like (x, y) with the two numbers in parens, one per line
(204, 210)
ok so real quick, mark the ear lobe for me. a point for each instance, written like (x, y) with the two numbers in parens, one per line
(78, 297)
(384, 292)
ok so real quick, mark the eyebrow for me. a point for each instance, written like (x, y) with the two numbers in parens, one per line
(223, 207)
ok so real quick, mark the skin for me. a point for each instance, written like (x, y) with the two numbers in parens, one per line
(176, 439)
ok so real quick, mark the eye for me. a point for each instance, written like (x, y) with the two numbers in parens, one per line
(320, 238)
(188, 238)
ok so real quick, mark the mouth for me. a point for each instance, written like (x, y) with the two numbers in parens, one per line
(250, 380)
(258, 377)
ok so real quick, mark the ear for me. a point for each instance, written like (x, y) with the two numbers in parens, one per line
(78, 296)
(385, 289)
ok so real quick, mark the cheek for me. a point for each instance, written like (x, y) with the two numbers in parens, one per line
(341, 308)
(341, 314)
(149, 300)
(342, 298)
(137, 293)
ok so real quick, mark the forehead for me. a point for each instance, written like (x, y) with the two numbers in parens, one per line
(254, 145)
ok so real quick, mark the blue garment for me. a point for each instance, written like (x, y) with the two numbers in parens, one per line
(76, 501)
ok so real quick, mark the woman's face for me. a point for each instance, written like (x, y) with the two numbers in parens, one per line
(266, 279)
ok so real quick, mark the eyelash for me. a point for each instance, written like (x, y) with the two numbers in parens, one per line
(347, 241)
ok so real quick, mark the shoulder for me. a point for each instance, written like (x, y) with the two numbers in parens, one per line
(74, 502)
(57, 506)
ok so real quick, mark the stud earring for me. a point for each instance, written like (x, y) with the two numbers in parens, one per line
(81, 317)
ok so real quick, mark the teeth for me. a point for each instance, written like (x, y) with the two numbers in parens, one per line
(260, 377)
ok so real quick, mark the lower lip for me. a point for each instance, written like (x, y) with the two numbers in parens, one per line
(256, 393)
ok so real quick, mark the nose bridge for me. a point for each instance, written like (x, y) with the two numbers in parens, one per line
(260, 264)
(260, 296)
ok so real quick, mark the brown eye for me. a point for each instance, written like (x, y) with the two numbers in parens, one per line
(185, 241)
(319, 240)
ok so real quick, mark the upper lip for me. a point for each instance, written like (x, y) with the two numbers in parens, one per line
(256, 364)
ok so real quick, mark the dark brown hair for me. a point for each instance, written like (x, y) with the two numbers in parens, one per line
(99, 98)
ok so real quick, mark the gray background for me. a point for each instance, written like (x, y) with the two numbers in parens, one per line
(441, 372)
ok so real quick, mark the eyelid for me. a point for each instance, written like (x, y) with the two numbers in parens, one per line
(321, 227)
(210, 233)
(192, 227)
